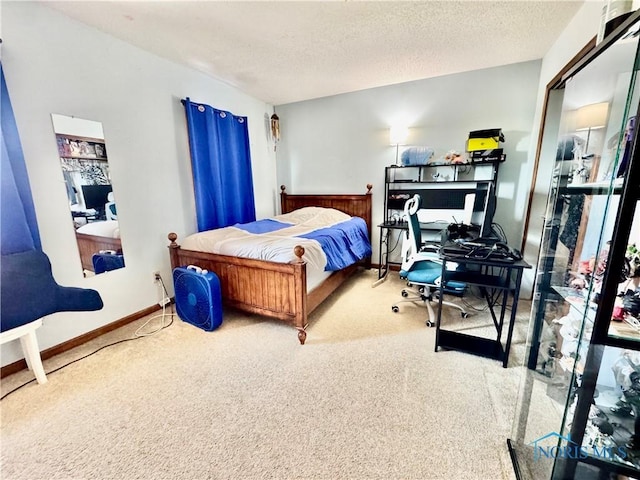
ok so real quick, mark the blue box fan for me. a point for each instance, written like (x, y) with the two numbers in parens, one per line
(198, 297)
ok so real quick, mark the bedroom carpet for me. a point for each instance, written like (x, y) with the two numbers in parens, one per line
(365, 398)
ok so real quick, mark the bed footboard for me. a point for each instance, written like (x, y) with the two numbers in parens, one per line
(276, 290)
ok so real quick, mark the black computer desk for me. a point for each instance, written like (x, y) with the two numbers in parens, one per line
(491, 277)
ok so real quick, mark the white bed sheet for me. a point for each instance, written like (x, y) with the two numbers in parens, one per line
(275, 246)
(107, 228)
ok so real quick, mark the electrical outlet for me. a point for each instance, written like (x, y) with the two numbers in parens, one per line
(156, 276)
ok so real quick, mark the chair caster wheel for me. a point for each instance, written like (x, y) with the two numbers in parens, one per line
(429, 323)
(464, 314)
(405, 294)
(395, 309)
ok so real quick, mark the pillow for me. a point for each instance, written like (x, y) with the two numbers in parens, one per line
(319, 216)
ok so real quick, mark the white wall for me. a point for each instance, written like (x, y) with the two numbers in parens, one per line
(341, 143)
(53, 64)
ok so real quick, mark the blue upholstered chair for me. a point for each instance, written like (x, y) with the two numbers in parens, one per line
(422, 267)
(29, 292)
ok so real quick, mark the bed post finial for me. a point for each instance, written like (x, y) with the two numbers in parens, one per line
(298, 251)
(283, 200)
(173, 237)
(369, 187)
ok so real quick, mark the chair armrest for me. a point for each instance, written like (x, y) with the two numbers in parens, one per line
(430, 247)
(427, 256)
(28, 291)
(429, 251)
(73, 299)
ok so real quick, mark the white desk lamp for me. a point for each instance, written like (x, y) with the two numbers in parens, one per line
(397, 136)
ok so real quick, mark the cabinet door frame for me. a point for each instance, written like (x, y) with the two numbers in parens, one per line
(556, 83)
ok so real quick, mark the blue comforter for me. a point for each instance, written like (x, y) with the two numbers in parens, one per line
(262, 226)
(343, 244)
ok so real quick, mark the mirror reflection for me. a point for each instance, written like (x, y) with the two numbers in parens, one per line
(93, 208)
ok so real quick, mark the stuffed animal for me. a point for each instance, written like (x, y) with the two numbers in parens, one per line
(454, 157)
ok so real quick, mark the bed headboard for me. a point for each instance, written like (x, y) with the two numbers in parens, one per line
(356, 205)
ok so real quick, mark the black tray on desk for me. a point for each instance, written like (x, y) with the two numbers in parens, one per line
(473, 250)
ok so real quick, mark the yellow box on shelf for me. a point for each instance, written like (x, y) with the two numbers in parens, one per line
(489, 139)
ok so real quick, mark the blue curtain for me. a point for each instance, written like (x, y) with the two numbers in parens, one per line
(18, 225)
(221, 165)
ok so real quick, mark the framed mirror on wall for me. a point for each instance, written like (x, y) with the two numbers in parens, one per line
(93, 208)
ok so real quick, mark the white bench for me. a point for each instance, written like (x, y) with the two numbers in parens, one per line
(27, 335)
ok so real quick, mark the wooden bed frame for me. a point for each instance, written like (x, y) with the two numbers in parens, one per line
(90, 244)
(277, 290)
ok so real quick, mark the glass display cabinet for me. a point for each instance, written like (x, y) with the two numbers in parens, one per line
(578, 409)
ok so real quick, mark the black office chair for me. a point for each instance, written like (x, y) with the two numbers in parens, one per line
(422, 268)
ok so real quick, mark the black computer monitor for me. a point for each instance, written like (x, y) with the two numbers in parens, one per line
(95, 197)
(466, 203)
(484, 207)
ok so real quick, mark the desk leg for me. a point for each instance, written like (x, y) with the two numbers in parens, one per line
(383, 255)
(512, 320)
(503, 308)
(487, 298)
(441, 290)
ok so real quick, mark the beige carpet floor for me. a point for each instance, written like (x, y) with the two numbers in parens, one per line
(367, 397)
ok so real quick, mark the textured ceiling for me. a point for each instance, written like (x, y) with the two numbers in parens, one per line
(283, 52)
